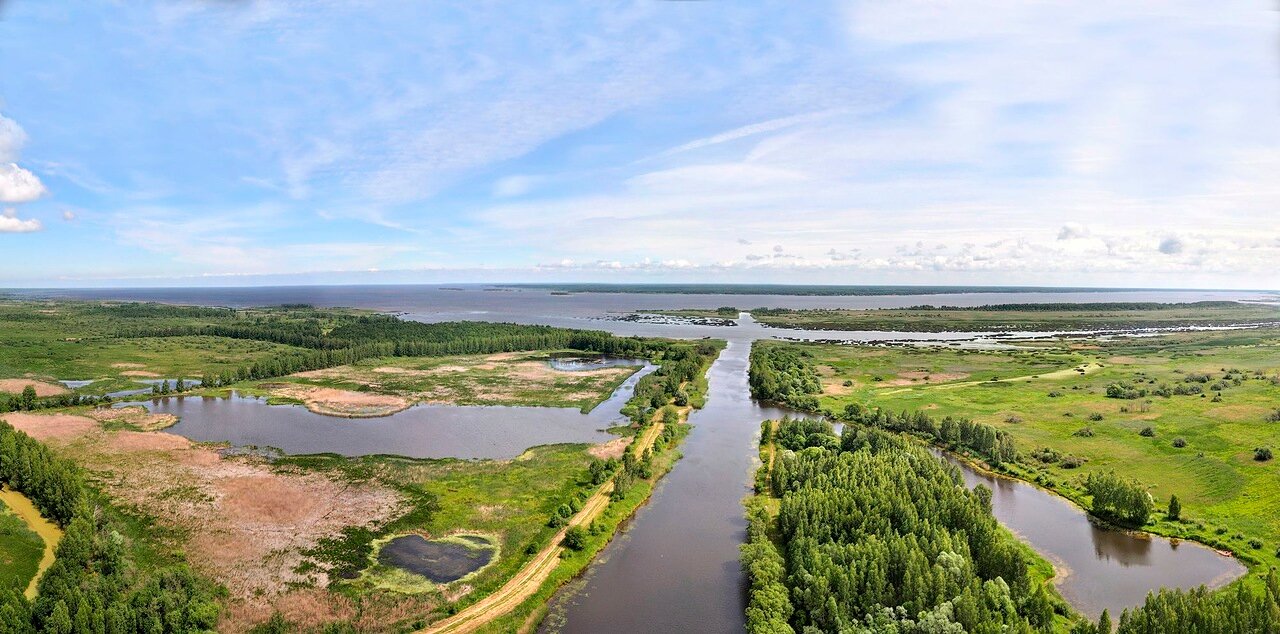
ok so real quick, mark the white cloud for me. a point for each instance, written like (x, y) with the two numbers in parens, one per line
(18, 185)
(68, 215)
(12, 138)
(11, 223)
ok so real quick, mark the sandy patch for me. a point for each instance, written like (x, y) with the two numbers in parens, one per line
(135, 415)
(836, 388)
(918, 377)
(126, 366)
(142, 374)
(612, 449)
(50, 427)
(1122, 360)
(16, 386)
(345, 403)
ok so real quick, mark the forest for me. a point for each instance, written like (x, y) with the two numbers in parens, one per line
(874, 534)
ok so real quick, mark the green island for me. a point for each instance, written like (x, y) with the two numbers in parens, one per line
(1171, 434)
(163, 534)
(1009, 317)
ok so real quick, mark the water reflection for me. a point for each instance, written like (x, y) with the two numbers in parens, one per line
(1099, 568)
(422, 431)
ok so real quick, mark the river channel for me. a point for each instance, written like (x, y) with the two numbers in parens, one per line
(675, 565)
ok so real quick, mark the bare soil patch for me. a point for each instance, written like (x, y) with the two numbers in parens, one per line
(51, 427)
(344, 403)
(612, 449)
(142, 374)
(1240, 413)
(16, 386)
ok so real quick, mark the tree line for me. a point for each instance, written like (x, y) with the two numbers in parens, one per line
(92, 586)
(784, 374)
(874, 534)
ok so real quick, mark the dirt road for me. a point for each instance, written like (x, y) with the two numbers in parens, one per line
(530, 578)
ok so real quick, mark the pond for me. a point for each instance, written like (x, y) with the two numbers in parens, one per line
(422, 431)
(1098, 568)
(439, 560)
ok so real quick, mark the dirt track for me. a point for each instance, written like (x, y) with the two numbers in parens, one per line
(530, 578)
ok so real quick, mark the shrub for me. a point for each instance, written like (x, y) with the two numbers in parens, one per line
(1013, 418)
(1147, 432)
(1083, 432)
(1255, 544)
(575, 538)
(1274, 417)
(1179, 442)
(1072, 462)
(1096, 416)
(1262, 454)
(1054, 394)
(847, 383)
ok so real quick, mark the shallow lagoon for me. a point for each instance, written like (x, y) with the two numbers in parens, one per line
(422, 431)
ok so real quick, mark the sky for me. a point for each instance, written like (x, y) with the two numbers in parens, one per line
(988, 142)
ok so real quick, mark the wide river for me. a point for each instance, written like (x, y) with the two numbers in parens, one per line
(675, 566)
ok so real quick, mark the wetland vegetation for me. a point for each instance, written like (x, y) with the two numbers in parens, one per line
(170, 502)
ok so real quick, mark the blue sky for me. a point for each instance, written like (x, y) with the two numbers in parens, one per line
(984, 142)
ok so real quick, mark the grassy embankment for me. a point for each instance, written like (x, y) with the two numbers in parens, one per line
(1053, 399)
(1013, 317)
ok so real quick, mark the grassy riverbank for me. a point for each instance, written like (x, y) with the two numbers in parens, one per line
(1011, 317)
(1186, 415)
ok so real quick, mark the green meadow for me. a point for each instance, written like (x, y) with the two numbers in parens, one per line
(1186, 416)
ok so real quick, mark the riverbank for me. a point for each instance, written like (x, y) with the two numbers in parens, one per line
(50, 534)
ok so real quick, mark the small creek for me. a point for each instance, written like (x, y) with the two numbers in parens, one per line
(22, 506)
(422, 431)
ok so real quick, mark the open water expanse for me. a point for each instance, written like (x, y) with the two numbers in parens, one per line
(675, 566)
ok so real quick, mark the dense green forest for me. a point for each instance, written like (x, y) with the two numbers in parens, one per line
(875, 534)
(784, 375)
(93, 586)
(331, 338)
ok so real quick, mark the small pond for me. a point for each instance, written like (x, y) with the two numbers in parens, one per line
(439, 560)
(422, 431)
(1098, 568)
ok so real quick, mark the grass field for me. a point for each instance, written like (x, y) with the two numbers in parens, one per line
(522, 378)
(1020, 318)
(20, 551)
(1053, 398)
(82, 341)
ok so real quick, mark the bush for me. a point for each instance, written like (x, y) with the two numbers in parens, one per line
(1083, 432)
(1072, 462)
(1147, 432)
(1274, 417)
(1255, 544)
(1262, 454)
(1179, 442)
(1096, 416)
(575, 538)
(1013, 418)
